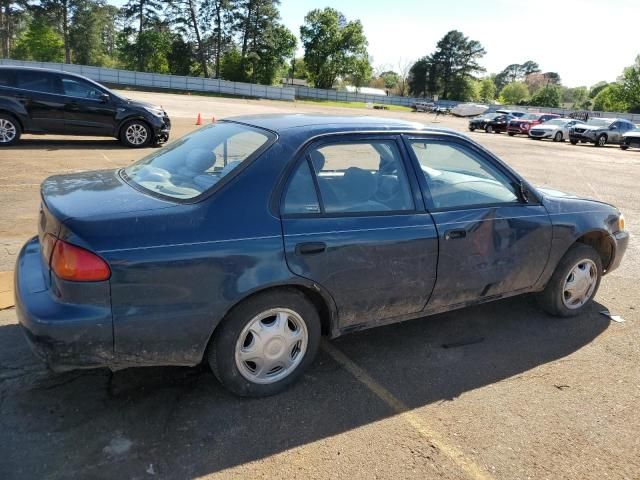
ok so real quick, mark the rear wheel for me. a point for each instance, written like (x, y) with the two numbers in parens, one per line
(10, 130)
(472, 128)
(511, 134)
(573, 142)
(574, 282)
(266, 343)
(558, 137)
(135, 134)
(624, 147)
(601, 141)
(488, 129)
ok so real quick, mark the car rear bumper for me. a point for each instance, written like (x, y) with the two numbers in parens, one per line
(619, 240)
(64, 335)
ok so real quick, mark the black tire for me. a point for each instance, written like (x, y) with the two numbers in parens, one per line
(139, 126)
(472, 128)
(511, 134)
(601, 141)
(221, 353)
(488, 129)
(9, 129)
(558, 137)
(551, 298)
(624, 147)
(573, 142)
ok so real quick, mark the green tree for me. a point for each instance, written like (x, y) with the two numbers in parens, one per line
(61, 13)
(14, 18)
(549, 96)
(232, 66)
(142, 13)
(187, 15)
(40, 42)
(276, 45)
(487, 90)
(152, 46)
(390, 79)
(630, 85)
(514, 93)
(92, 34)
(332, 45)
(596, 89)
(516, 72)
(219, 14)
(361, 72)
(578, 97)
(456, 61)
(610, 99)
(423, 80)
(180, 57)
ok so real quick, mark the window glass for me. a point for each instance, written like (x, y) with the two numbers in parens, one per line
(77, 88)
(195, 163)
(361, 177)
(301, 194)
(457, 177)
(37, 81)
(6, 78)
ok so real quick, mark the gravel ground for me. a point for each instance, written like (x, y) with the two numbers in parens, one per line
(538, 398)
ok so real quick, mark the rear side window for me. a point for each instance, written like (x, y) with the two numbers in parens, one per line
(301, 195)
(7, 78)
(352, 177)
(42, 82)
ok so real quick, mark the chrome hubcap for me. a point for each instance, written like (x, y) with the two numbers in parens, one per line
(7, 131)
(602, 141)
(271, 346)
(580, 284)
(136, 134)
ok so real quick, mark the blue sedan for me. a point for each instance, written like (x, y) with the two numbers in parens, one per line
(245, 241)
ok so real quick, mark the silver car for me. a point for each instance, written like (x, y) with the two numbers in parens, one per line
(630, 139)
(556, 129)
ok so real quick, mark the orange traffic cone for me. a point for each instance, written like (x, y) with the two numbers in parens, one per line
(199, 120)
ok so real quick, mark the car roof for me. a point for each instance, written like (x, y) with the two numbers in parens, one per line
(42, 70)
(281, 123)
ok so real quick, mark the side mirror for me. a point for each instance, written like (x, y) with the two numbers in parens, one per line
(104, 98)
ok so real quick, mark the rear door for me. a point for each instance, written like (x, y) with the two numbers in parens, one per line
(354, 223)
(491, 242)
(40, 93)
(86, 111)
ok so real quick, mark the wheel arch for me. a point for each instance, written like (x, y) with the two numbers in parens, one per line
(6, 111)
(601, 242)
(321, 300)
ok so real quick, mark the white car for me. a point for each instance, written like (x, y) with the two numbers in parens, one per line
(556, 129)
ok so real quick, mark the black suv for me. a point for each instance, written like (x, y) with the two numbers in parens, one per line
(34, 100)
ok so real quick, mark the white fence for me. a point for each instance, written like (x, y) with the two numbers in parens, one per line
(200, 84)
(157, 80)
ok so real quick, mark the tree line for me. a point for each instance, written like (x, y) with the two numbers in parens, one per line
(245, 40)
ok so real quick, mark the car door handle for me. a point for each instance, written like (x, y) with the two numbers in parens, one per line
(453, 234)
(310, 248)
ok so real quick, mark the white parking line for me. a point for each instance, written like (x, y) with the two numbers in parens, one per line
(458, 457)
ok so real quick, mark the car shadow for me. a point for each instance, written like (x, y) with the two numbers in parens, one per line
(181, 421)
(54, 144)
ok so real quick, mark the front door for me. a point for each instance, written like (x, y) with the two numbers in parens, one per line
(354, 223)
(86, 111)
(491, 241)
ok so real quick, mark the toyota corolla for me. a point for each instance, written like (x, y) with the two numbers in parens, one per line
(245, 241)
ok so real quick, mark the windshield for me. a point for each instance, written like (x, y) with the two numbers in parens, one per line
(599, 122)
(196, 162)
(556, 121)
(530, 116)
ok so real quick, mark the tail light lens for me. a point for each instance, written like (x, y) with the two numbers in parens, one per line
(76, 264)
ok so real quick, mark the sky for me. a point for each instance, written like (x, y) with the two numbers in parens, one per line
(585, 41)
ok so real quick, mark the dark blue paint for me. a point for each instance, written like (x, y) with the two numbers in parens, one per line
(178, 268)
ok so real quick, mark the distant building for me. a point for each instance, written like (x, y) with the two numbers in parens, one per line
(365, 90)
(296, 82)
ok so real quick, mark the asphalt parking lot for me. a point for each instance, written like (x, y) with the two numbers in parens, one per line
(523, 395)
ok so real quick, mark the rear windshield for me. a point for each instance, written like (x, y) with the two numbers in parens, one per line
(195, 163)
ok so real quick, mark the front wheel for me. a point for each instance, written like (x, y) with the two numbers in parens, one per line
(266, 343)
(601, 141)
(557, 137)
(573, 142)
(488, 129)
(135, 134)
(10, 130)
(574, 282)
(472, 128)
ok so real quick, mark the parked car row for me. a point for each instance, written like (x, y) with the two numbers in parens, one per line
(538, 126)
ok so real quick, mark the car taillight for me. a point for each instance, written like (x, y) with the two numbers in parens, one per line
(76, 264)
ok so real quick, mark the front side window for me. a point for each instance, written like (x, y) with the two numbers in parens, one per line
(457, 177)
(196, 162)
(367, 176)
(73, 87)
